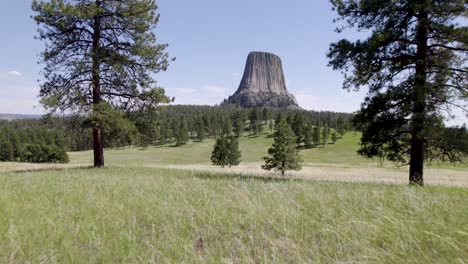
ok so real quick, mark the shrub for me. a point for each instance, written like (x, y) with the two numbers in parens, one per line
(37, 153)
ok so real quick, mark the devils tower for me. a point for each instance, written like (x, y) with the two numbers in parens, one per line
(263, 84)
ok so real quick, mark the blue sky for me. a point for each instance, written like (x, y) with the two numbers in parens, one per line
(211, 40)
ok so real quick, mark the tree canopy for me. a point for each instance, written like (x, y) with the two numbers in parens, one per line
(414, 63)
(98, 53)
(284, 154)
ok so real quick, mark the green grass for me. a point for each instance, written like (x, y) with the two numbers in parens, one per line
(154, 215)
(253, 149)
(341, 154)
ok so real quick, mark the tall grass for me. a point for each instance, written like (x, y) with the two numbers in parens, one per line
(148, 215)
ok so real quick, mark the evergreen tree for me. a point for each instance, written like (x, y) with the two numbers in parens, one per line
(227, 126)
(6, 150)
(239, 125)
(340, 127)
(316, 136)
(280, 117)
(234, 154)
(414, 64)
(255, 119)
(298, 127)
(266, 115)
(182, 136)
(334, 138)
(226, 152)
(99, 52)
(283, 153)
(200, 130)
(308, 136)
(324, 136)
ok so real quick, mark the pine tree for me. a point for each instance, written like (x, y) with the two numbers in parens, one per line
(324, 136)
(226, 152)
(6, 150)
(239, 126)
(280, 117)
(283, 153)
(334, 138)
(234, 154)
(308, 136)
(227, 126)
(298, 127)
(200, 130)
(182, 133)
(414, 64)
(316, 136)
(266, 115)
(99, 52)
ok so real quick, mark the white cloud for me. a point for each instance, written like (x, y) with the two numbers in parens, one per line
(14, 73)
(204, 95)
(340, 102)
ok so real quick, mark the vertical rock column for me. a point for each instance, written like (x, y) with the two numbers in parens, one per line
(263, 84)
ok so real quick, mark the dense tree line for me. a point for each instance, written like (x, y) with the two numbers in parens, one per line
(174, 125)
(30, 141)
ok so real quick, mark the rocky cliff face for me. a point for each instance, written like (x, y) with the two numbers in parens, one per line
(263, 84)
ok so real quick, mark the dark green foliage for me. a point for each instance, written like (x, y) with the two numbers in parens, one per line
(6, 150)
(17, 141)
(181, 133)
(117, 129)
(226, 152)
(334, 137)
(255, 121)
(298, 127)
(450, 144)
(239, 124)
(140, 127)
(316, 136)
(266, 115)
(308, 136)
(324, 136)
(200, 130)
(283, 153)
(99, 52)
(234, 154)
(36, 153)
(227, 126)
(414, 64)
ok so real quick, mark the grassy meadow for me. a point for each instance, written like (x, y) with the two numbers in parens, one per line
(157, 215)
(167, 204)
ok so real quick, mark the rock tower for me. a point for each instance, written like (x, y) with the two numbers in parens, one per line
(263, 84)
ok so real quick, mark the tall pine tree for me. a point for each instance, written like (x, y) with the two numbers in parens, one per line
(99, 53)
(414, 64)
(283, 153)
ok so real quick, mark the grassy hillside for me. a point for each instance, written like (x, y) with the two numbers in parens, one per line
(337, 162)
(253, 149)
(156, 215)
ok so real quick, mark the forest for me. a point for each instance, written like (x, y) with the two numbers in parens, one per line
(173, 125)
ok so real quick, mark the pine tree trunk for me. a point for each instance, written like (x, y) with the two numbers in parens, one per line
(98, 146)
(282, 169)
(419, 108)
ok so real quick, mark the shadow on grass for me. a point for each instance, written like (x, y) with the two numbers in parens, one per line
(242, 177)
(87, 167)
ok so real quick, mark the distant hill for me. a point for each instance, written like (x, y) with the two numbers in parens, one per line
(10, 117)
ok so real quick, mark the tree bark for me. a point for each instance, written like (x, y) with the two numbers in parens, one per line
(98, 146)
(419, 103)
(282, 169)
